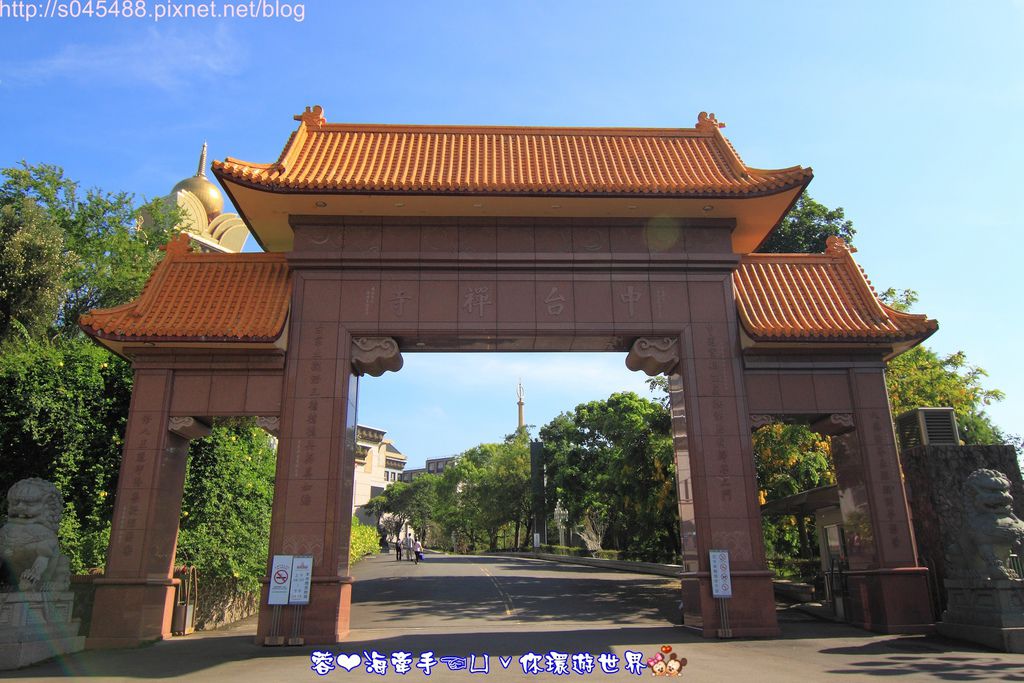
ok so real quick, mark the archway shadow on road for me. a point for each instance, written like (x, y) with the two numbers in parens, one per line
(937, 657)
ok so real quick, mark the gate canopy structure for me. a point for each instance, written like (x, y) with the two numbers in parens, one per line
(384, 239)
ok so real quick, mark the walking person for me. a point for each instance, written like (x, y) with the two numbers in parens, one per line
(408, 547)
(398, 550)
(419, 551)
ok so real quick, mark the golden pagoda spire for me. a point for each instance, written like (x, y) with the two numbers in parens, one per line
(201, 172)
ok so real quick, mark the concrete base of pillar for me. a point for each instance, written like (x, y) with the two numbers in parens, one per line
(324, 621)
(750, 612)
(890, 600)
(130, 612)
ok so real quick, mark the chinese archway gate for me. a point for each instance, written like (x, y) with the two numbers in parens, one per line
(383, 239)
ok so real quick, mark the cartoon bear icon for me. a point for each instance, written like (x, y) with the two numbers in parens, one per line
(666, 662)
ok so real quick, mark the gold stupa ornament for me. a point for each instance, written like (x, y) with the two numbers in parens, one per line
(201, 206)
(204, 190)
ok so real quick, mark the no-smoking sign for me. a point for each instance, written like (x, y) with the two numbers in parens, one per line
(280, 580)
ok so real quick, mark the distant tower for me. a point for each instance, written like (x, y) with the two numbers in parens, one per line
(521, 394)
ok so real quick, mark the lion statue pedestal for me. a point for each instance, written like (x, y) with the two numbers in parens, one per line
(986, 595)
(35, 605)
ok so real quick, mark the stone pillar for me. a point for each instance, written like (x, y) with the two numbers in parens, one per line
(312, 512)
(684, 476)
(135, 596)
(726, 511)
(888, 590)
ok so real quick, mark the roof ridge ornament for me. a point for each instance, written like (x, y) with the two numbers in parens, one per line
(178, 246)
(837, 246)
(313, 116)
(707, 122)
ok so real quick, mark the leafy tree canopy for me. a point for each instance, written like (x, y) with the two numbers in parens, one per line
(922, 378)
(806, 227)
(611, 465)
(64, 400)
(32, 265)
(104, 259)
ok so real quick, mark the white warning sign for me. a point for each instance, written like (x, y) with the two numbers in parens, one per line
(302, 576)
(280, 580)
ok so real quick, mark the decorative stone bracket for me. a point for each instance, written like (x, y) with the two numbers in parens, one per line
(374, 356)
(834, 424)
(654, 355)
(188, 427)
(271, 424)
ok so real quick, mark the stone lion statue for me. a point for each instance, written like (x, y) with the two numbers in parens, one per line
(30, 556)
(990, 530)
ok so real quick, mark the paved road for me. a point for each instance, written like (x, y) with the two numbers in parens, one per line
(460, 605)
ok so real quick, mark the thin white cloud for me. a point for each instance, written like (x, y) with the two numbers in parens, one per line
(165, 58)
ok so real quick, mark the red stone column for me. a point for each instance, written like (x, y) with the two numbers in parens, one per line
(722, 462)
(715, 459)
(684, 477)
(135, 596)
(888, 591)
(312, 512)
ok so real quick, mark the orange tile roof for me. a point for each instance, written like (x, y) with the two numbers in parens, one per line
(826, 296)
(202, 298)
(363, 158)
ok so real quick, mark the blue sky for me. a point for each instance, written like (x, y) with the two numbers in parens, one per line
(910, 114)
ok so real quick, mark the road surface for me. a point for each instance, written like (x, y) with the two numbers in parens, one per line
(458, 606)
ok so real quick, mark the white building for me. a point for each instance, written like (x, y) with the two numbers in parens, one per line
(378, 464)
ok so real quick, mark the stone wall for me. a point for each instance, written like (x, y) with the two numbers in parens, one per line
(934, 480)
(220, 602)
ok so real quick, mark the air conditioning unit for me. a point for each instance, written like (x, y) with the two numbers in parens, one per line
(927, 427)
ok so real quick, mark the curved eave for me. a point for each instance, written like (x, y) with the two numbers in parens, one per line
(266, 212)
(887, 346)
(125, 345)
(770, 185)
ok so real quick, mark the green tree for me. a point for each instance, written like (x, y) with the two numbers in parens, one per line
(922, 378)
(610, 463)
(789, 459)
(32, 265)
(106, 257)
(229, 491)
(806, 227)
(421, 500)
(63, 409)
(484, 495)
(64, 400)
